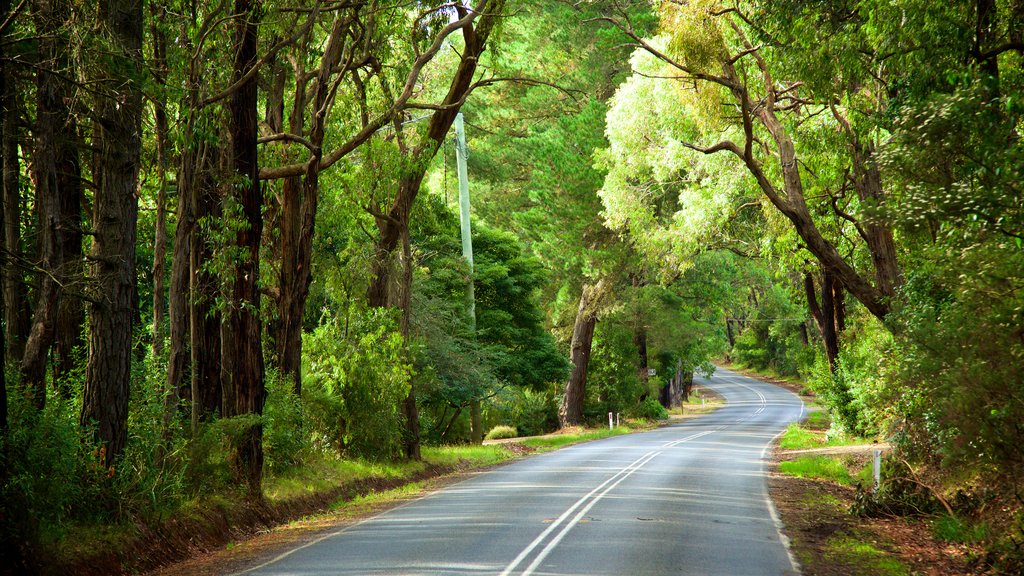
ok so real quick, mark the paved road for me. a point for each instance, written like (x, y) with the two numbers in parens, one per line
(684, 499)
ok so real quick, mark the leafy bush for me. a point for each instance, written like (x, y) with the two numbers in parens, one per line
(285, 436)
(649, 409)
(500, 432)
(356, 377)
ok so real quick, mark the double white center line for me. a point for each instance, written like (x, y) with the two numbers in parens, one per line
(584, 505)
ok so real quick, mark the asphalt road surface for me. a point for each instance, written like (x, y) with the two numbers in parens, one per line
(683, 499)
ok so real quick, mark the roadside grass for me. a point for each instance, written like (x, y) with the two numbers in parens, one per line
(818, 467)
(556, 441)
(815, 431)
(864, 556)
(953, 529)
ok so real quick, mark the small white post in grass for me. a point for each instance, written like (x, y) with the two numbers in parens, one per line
(878, 469)
(611, 421)
(617, 414)
(701, 401)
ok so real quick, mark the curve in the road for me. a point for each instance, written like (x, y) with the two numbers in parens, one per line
(683, 499)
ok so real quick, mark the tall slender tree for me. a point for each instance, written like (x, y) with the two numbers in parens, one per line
(117, 131)
(242, 369)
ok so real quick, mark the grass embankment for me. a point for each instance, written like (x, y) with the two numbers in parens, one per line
(318, 493)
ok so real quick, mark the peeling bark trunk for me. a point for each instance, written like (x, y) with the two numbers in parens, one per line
(117, 146)
(570, 412)
(243, 371)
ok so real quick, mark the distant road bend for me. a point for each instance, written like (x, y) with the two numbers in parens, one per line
(684, 499)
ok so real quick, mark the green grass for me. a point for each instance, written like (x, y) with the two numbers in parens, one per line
(820, 467)
(797, 437)
(953, 529)
(501, 432)
(805, 436)
(553, 442)
(474, 456)
(865, 557)
(818, 420)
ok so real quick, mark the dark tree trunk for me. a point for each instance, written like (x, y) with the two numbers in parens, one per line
(878, 235)
(116, 135)
(51, 157)
(640, 341)
(179, 293)
(242, 374)
(4, 87)
(205, 319)
(570, 412)
(729, 334)
(160, 235)
(16, 314)
(825, 315)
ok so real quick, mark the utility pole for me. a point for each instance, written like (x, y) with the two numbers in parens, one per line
(476, 433)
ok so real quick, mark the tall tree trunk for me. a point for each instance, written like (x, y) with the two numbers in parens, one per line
(161, 132)
(205, 318)
(410, 412)
(51, 157)
(570, 412)
(298, 221)
(243, 370)
(5, 8)
(16, 314)
(824, 315)
(117, 142)
(178, 306)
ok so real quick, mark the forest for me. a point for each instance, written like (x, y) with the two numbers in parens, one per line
(232, 243)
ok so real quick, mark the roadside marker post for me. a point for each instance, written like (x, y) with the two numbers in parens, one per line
(611, 421)
(878, 469)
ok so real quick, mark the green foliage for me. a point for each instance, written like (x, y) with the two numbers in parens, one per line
(285, 437)
(509, 349)
(500, 432)
(613, 384)
(531, 413)
(649, 409)
(356, 375)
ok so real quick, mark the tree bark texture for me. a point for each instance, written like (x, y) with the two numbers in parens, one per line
(570, 412)
(205, 319)
(160, 235)
(4, 87)
(298, 221)
(824, 315)
(243, 370)
(16, 315)
(117, 142)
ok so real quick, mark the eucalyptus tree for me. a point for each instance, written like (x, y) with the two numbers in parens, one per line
(737, 103)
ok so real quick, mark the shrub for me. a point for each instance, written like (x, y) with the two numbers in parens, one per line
(356, 378)
(649, 409)
(501, 431)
